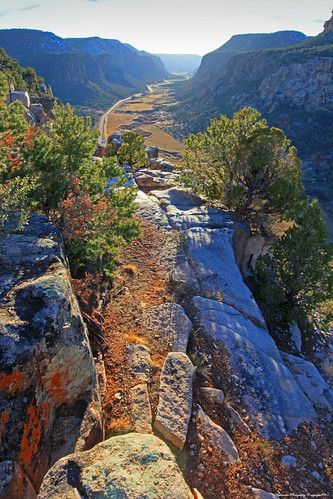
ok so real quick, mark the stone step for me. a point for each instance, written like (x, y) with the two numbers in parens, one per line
(175, 402)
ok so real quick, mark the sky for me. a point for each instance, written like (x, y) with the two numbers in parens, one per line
(166, 26)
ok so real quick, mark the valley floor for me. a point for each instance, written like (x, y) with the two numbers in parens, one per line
(149, 114)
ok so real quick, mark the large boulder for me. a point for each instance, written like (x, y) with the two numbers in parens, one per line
(20, 95)
(175, 400)
(128, 467)
(50, 403)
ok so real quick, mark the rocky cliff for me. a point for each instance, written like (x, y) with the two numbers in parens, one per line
(50, 402)
(212, 382)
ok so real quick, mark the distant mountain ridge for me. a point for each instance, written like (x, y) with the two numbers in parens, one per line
(215, 61)
(91, 72)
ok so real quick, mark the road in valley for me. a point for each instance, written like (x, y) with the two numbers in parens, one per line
(102, 138)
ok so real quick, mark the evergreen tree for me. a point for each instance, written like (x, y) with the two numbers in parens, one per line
(132, 152)
(296, 275)
(246, 165)
(51, 171)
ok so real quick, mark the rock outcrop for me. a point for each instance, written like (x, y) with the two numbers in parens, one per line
(267, 389)
(50, 403)
(227, 312)
(130, 466)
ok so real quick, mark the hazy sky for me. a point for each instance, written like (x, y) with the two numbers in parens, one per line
(166, 26)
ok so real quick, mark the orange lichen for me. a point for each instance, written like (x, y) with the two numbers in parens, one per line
(3, 420)
(13, 383)
(54, 383)
(33, 430)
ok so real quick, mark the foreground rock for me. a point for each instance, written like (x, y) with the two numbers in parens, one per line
(14, 483)
(50, 403)
(267, 389)
(171, 323)
(218, 437)
(129, 466)
(175, 400)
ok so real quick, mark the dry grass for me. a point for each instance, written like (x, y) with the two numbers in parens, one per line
(265, 449)
(120, 426)
(131, 269)
(163, 140)
(114, 120)
(134, 338)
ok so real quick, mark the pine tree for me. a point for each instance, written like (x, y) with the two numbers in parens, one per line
(296, 275)
(132, 151)
(246, 165)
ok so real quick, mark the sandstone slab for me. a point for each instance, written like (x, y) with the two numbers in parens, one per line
(175, 398)
(212, 258)
(228, 318)
(268, 390)
(198, 216)
(141, 411)
(139, 360)
(218, 437)
(181, 273)
(171, 323)
(178, 197)
(128, 466)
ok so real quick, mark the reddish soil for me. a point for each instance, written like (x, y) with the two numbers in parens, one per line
(141, 281)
